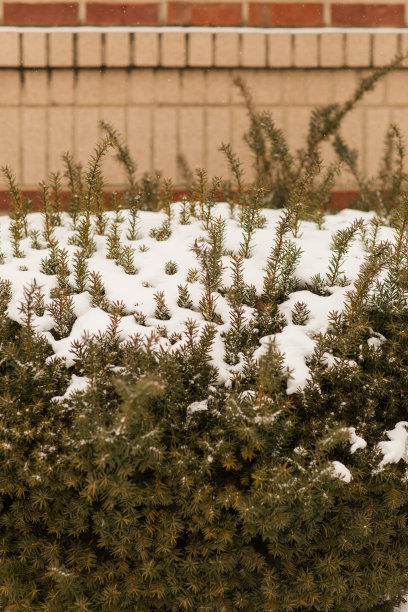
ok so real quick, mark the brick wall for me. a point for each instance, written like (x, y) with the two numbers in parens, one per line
(170, 90)
(287, 13)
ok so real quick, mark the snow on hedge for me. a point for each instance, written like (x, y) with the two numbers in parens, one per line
(136, 291)
(153, 273)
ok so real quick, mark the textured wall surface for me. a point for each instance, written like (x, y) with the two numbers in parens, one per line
(192, 12)
(171, 91)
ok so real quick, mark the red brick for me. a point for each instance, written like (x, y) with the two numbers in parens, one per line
(266, 14)
(111, 13)
(40, 13)
(204, 13)
(217, 14)
(340, 198)
(367, 15)
(178, 13)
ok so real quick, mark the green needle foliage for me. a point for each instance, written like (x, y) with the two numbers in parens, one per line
(279, 278)
(75, 182)
(340, 244)
(288, 178)
(162, 312)
(96, 289)
(157, 484)
(81, 271)
(184, 299)
(251, 219)
(158, 490)
(300, 313)
(209, 258)
(237, 338)
(19, 207)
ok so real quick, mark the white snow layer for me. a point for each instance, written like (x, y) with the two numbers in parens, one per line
(339, 470)
(77, 383)
(355, 441)
(194, 408)
(396, 448)
(136, 291)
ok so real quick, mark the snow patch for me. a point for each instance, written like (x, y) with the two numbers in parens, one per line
(194, 408)
(355, 440)
(396, 448)
(339, 470)
(77, 383)
(136, 291)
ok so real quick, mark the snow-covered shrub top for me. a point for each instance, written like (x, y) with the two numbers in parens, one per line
(136, 292)
(141, 281)
(137, 412)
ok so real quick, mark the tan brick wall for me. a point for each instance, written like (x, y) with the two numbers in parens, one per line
(172, 92)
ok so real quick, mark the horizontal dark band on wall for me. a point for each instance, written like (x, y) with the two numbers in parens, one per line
(203, 13)
(340, 199)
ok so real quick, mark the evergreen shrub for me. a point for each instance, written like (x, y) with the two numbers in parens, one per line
(133, 479)
(285, 177)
